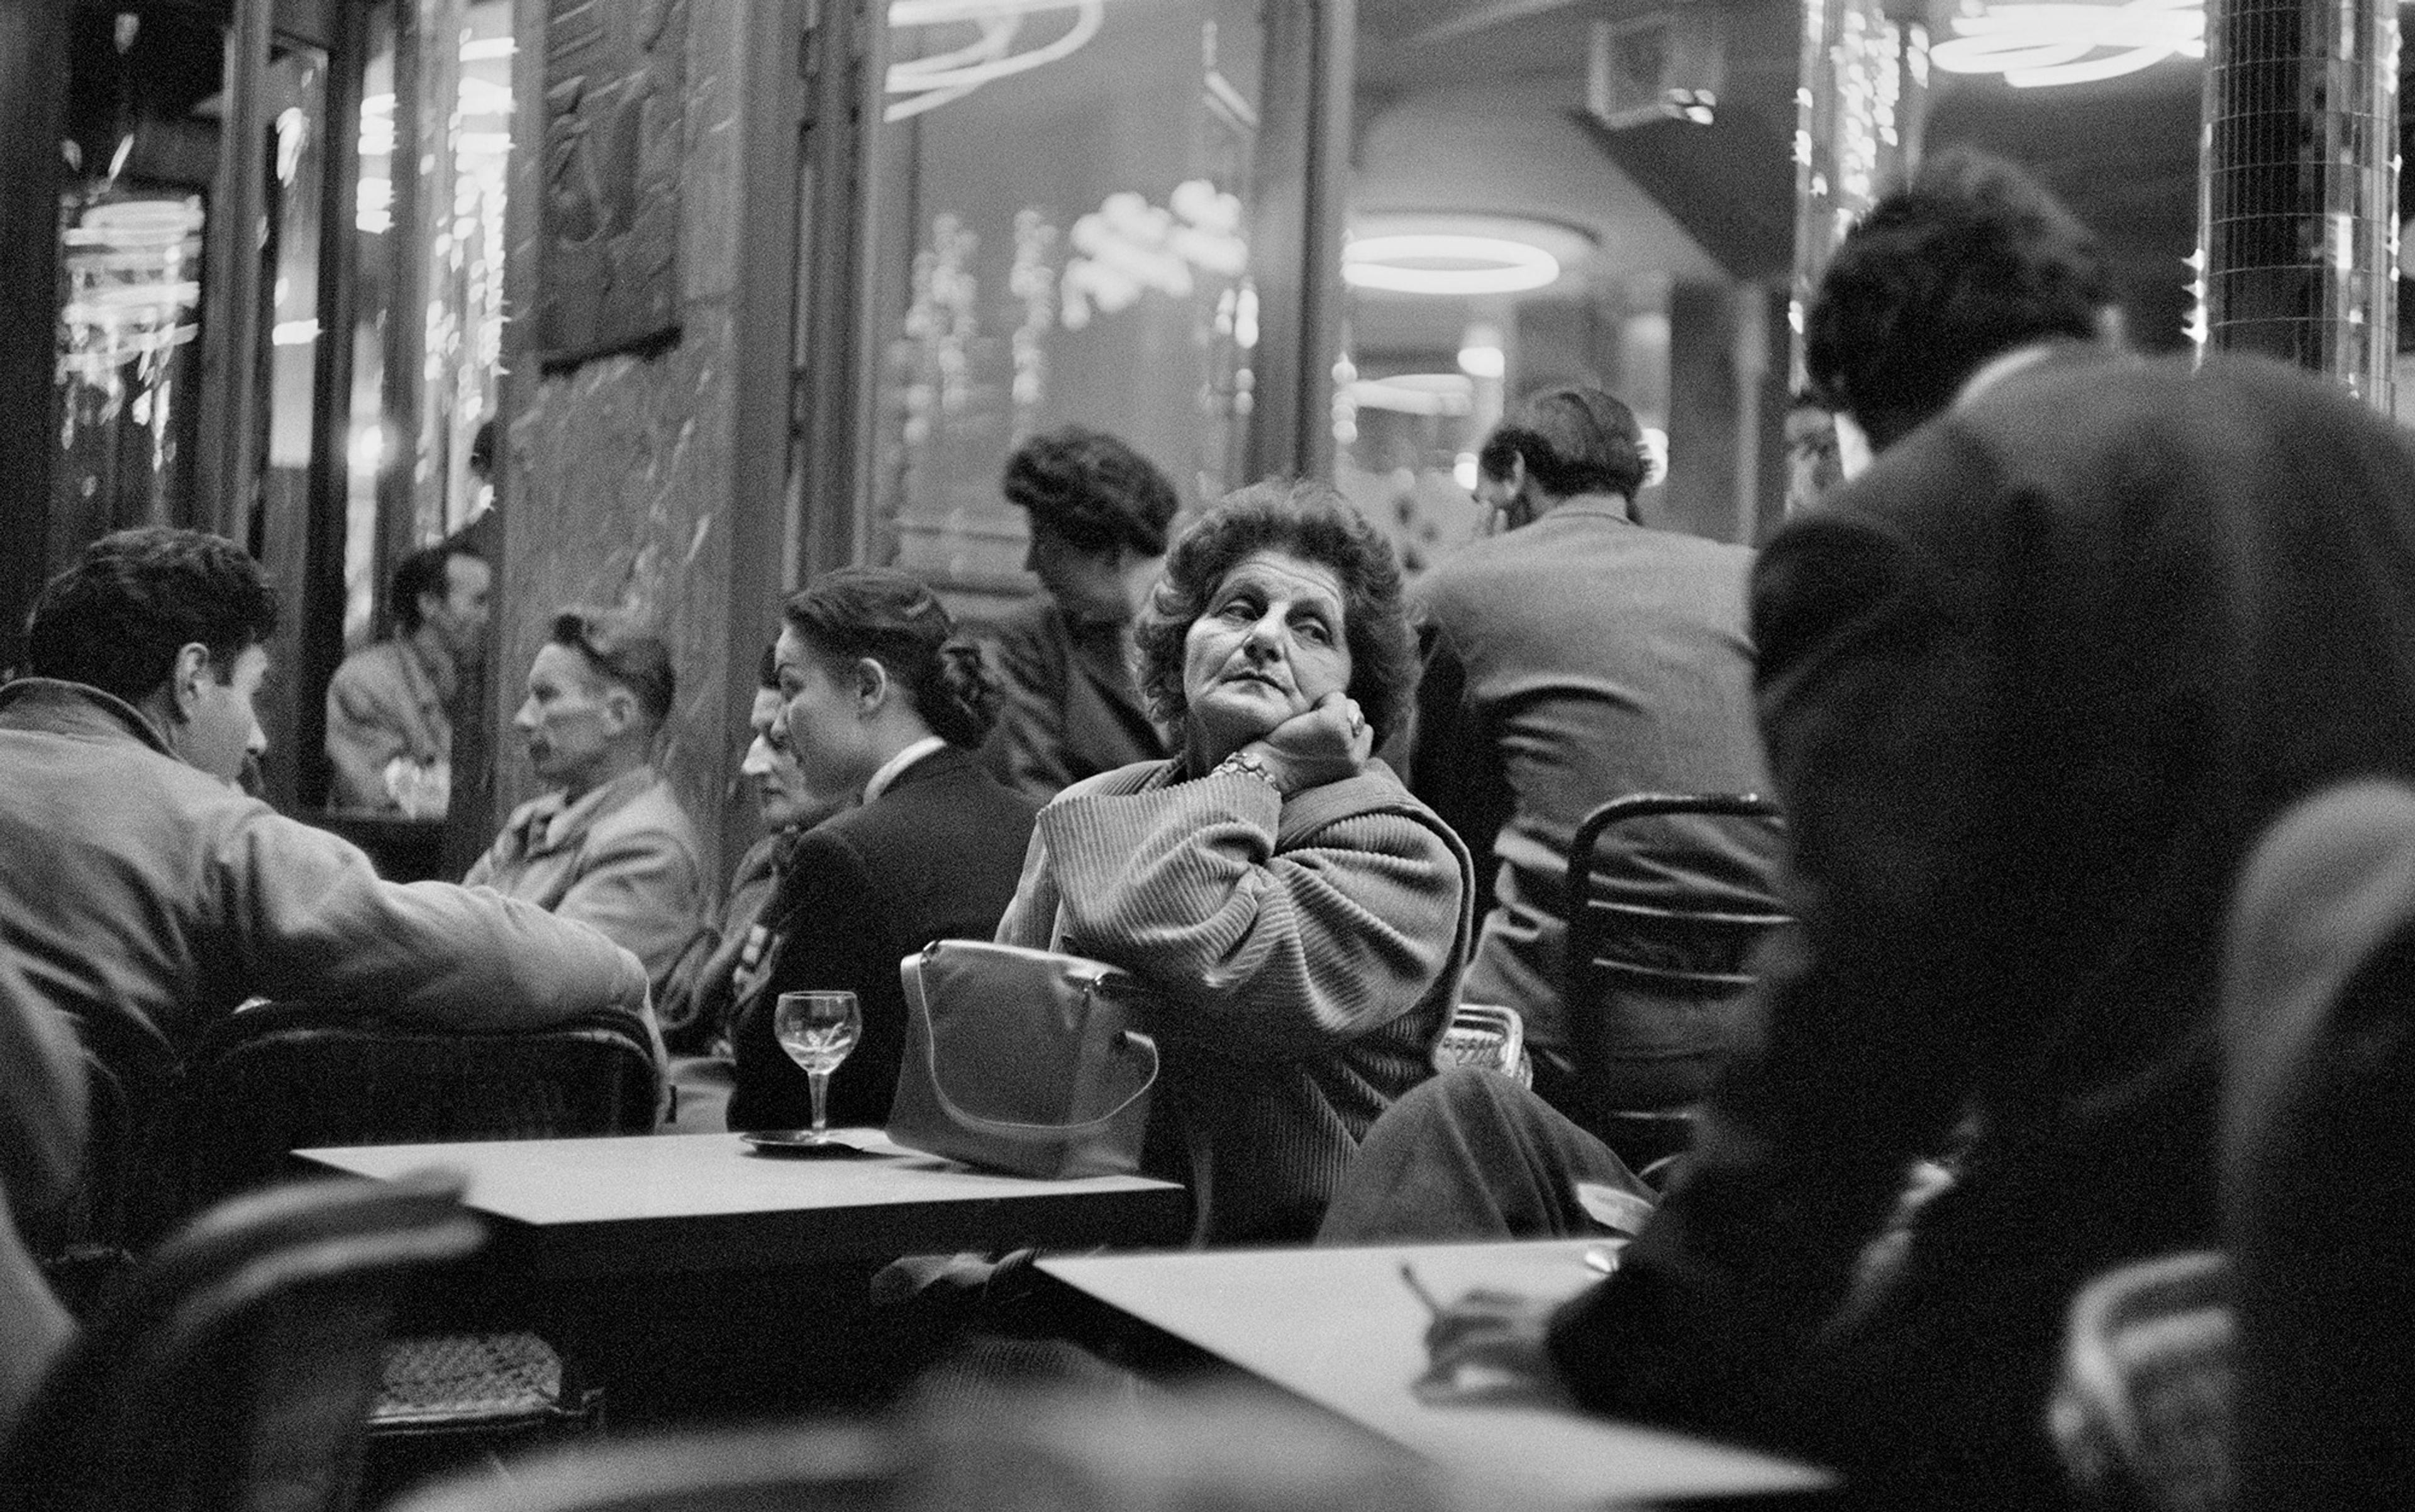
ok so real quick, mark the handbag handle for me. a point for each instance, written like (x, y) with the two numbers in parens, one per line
(1011, 1129)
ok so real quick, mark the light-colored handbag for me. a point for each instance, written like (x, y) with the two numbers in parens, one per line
(1028, 1061)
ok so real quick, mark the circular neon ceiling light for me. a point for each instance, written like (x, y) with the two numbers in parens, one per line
(2037, 45)
(1445, 264)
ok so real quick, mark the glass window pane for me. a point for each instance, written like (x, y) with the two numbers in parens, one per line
(1066, 213)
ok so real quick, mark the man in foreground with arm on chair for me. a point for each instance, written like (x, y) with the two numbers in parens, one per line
(146, 896)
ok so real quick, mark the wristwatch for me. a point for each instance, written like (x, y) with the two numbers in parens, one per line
(1243, 764)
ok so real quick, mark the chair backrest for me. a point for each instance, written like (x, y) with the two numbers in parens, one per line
(1663, 942)
(283, 1077)
(2141, 1414)
(231, 1371)
(1652, 971)
(1487, 1036)
(2319, 1152)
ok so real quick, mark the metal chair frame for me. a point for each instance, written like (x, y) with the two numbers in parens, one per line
(229, 1371)
(288, 1076)
(282, 1077)
(1648, 1137)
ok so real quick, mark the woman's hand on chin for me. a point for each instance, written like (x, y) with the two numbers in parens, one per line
(1328, 743)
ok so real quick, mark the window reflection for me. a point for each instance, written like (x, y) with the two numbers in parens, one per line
(1067, 240)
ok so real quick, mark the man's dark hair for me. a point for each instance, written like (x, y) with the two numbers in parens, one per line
(620, 648)
(1970, 259)
(423, 572)
(1573, 439)
(1092, 489)
(116, 620)
(1311, 521)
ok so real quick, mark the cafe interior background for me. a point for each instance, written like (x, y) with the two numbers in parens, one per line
(747, 289)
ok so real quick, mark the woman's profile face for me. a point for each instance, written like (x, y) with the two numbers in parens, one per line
(1269, 644)
(819, 715)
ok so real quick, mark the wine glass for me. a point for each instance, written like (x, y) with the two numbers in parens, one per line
(818, 1029)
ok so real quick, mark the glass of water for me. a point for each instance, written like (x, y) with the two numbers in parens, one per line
(818, 1029)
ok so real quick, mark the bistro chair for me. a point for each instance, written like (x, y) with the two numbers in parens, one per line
(2141, 1414)
(230, 1370)
(288, 1076)
(2317, 1153)
(1647, 965)
(281, 1077)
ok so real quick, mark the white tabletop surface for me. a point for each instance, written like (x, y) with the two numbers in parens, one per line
(1341, 1329)
(658, 1202)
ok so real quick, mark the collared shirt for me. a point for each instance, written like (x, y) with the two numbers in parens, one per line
(895, 765)
(1998, 368)
(550, 822)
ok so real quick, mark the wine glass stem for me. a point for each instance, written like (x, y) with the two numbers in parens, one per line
(820, 1081)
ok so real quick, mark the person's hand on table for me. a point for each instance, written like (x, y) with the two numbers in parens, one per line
(1488, 1346)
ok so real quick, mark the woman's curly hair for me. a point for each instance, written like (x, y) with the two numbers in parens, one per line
(1312, 522)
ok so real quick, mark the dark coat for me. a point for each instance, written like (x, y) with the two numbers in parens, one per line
(935, 857)
(2031, 686)
(1068, 708)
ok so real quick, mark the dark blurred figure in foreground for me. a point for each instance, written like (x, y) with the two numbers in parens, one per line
(2031, 686)
(146, 896)
(1098, 516)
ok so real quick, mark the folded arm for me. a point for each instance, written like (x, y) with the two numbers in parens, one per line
(316, 922)
(1272, 953)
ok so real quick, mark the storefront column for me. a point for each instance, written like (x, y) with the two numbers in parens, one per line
(33, 102)
(2298, 202)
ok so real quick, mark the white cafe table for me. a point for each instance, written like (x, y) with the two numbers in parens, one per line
(1341, 1329)
(657, 1204)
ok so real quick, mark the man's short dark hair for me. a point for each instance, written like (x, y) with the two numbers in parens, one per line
(1574, 440)
(618, 647)
(423, 572)
(1092, 489)
(116, 620)
(1970, 259)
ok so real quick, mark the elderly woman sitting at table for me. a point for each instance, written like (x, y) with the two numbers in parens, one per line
(1303, 918)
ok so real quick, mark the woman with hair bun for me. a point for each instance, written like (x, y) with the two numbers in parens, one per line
(880, 699)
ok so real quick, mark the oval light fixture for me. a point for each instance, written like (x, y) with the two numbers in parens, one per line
(1428, 264)
(1444, 394)
(2039, 45)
